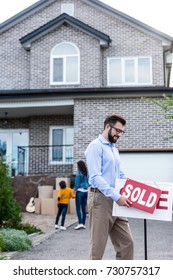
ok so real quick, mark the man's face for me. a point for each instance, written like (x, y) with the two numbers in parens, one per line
(115, 131)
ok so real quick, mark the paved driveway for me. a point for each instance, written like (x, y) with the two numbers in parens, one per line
(73, 245)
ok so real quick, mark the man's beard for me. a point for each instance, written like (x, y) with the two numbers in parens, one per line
(112, 140)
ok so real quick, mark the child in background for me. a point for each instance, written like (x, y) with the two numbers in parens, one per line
(63, 199)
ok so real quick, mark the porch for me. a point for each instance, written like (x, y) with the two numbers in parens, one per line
(42, 160)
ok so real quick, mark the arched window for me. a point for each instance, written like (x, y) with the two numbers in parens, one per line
(64, 64)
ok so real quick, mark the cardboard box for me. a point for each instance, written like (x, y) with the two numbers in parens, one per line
(72, 206)
(45, 191)
(37, 202)
(55, 194)
(58, 179)
(48, 206)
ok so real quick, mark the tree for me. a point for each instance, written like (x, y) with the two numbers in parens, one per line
(166, 104)
(10, 210)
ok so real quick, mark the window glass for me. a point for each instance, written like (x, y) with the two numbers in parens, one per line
(64, 49)
(57, 140)
(3, 145)
(144, 70)
(115, 70)
(69, 143)
(58, 69)
(129, 71)
(19, 139)
(72, 69)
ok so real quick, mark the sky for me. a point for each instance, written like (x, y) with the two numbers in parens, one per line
(156, 13)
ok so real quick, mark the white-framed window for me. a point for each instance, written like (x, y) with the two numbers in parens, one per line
(61, 145)
(68, 9)
(64, 64)
(126, 71)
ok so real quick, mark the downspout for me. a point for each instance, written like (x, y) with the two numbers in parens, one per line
(167, 66)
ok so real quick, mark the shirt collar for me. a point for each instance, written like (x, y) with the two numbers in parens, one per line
(104, 141)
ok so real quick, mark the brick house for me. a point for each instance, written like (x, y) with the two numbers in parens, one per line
(65, 65)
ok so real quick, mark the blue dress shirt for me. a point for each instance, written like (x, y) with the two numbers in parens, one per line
(103, 163)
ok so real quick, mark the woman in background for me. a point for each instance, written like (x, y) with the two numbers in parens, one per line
(81, 188)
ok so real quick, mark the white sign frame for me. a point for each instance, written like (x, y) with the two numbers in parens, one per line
(159, 214)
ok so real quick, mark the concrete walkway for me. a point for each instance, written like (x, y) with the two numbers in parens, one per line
(47, 222)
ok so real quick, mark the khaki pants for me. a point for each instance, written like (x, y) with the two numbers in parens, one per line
(103, 224)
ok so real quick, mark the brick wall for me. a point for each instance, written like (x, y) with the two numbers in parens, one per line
(23, 69)
(145, 128)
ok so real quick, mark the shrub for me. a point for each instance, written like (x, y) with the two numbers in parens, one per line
(14, 240)
(29, 229)
(3, 258)
(2, 243)
(10, 210)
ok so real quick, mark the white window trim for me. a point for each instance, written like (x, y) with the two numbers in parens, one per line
(64, 66)
(63, 162)
(123, 59)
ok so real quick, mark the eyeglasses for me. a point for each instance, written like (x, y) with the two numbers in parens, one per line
(119, 131)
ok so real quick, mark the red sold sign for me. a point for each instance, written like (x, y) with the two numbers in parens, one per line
(142, 196)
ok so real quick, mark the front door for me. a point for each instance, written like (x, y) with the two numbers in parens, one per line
(10, 140)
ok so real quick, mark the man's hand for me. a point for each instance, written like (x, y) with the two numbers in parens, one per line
(123, 201)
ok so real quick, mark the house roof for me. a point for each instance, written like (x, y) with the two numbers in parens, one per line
(166, 39)
(79, 93)
(27, 40)
(28, 102)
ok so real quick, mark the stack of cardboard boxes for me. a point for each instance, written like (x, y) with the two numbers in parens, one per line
(46, 203)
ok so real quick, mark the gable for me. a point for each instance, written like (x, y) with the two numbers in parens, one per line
(64, 19)
(38, 6)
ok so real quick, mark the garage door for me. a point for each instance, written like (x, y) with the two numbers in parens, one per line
(148, 166)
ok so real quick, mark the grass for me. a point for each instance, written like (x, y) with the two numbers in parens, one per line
(29, 229)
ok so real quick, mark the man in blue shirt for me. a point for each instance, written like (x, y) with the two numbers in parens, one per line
(103, 164)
